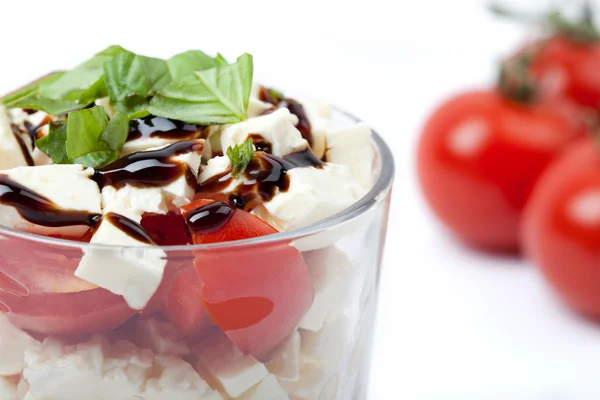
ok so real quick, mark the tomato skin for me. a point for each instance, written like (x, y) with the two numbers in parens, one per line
(258, 294)
(561, 229)
(565, 68)
(478, 158)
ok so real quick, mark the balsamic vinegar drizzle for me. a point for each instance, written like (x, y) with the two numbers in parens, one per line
(24, 150)
(38, 209)
(158, 127)
(295, 108)
(260, 143)
(149, 168)
(129, 227)
(264, 175)
(210, 217)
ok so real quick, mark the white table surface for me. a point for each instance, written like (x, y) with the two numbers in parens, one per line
(452, 324)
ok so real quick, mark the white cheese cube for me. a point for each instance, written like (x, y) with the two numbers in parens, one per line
(284, 360)
(314, 194)
(352, 147)
(268, 389)
(256, 106)
(316, 382)
(133, 272)
(215, 166)
(231, 369)
(329, 345)
(161, 337)
(331, 274)
(13, 344)
(38, 120)
(11, 154)
(278, 128)
(135, 201)
(105, 102)
(8, 390)
(68, 186)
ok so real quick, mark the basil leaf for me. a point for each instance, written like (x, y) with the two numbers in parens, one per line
(93, 140)
(73, 85)
(216, 96)
(28, 97)
(220, 60)
(29, 90)
(240, 156)
(134, 107)
(53, 144)
(185, 64)
(129, 74)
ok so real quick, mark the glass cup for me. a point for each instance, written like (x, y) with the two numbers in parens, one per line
(284, 316)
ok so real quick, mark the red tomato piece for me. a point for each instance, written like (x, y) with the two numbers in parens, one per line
(256, 294)
(561, 230)
(166, 230)
(566, 68)
(479, 157)
(39, 292)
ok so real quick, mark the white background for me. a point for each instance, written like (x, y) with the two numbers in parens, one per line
(452, 324)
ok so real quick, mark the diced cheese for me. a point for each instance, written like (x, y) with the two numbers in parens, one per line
(8, 390)
(133, 201)
(67, 186)
(277, 128)
(316, 382)
(98, 370)
(256, 106)
(177, 380)
(13, 343)
(145, 143)
(314, 194)
(214, 167)
(284, 360)
(268, 389)
(11, 154)
(331, 273)
(133, 272)
(105, 102)
(38, 119)
(352, 147)
(160, 336)
(232, 370)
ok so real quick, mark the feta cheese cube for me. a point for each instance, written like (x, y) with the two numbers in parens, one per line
(11, 154)
(314, 194)
(8, 390)
(231, 369)
(352, 147)
(316, 382)
(68, 186)
(133, 272)
(278, 128)
(268, 389)
(331, 273)
(256, 106)
(284, 360)
(13, 344)
(160, 336)
(133, 201)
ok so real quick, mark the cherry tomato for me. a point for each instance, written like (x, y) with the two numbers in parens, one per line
(561, 229)
(39, 291)
(256, 294)
(566, 68)
(166, 230)
(480, 155)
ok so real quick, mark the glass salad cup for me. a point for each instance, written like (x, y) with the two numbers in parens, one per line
(259, 292)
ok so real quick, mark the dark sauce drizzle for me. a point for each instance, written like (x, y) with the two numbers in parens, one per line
(295, 108)
(150, 168)
(129, 227)
(264, 175)
(209, 218)
(261, 143)
(24, 149)
(158, 127)
(38, 209)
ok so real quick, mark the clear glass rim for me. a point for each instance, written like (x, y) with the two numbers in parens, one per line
(371, 199)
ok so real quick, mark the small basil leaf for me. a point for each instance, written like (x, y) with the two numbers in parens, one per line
(185, 64)
(30, 90)
(93, 140)
(53, 144)
(216, 96)
(220, 60)
(240, 156)
(74, 84)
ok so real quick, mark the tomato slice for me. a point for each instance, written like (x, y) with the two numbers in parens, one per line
(39, 291)
(256, 294)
